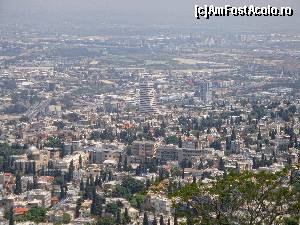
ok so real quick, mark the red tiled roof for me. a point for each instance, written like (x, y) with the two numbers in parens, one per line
(47, 178)
(210, 138)
(20, 211)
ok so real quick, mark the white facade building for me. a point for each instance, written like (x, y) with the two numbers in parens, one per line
(147, 98)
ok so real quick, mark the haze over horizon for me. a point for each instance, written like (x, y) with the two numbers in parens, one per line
(89, 15)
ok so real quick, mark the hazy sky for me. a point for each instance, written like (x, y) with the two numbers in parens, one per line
(56, 13)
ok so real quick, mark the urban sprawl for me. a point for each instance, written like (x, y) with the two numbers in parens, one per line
(128, 129)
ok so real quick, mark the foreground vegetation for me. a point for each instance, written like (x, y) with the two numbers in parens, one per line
(246, 198)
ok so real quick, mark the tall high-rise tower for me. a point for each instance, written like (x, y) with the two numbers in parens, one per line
(147, 98)
(205, 92)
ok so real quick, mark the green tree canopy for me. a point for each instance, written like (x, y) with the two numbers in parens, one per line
(36, 214)
(129, 187)
(246, 198)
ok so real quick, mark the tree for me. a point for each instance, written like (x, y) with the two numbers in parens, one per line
(184, 163)
(216, 144)
(255, 163)
(36, 214)
(221, 165)
(71, 170)
(273, 134)
(29, 186)
(154, 222)
(189, 221)
(110, 176)
(125, 166)
(145, 219)
(180, 142)
(77, 208)
(128, 187)
(81, 185)
(120, 164)
(63, 150)
(126, 217)
(175, 171)
(175, 219)
(63, 191)
(112, 208)
(189, 164)
(172, 140)
(96, 206)
(118, 218)
(88, 190)
(228, 143)
(99, 182)
(169, 221)
(106, 221)
(18, 185)
(274, 158)
(35, 182)
(163, 174)
(15, 109)
(137, 200)
(291, 221)
(159, 132)
(289, 159)
(259, 135)
(194, 179)
(170, 187)
(138, 170)
(11, 216)
(200, 166)
(161, 220)
(237, 167)
(148, 184)
(66, 218)
(233, 135)
(53, 142)
(72, 149)
(80, 162)
(59, 124)
(242, 198)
